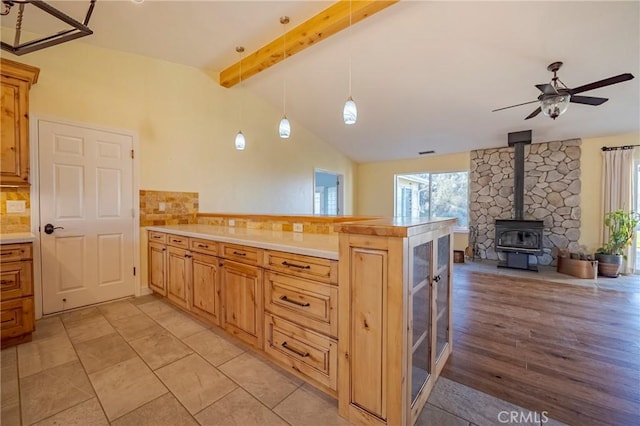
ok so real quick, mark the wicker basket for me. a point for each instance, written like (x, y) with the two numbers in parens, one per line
(578, 268)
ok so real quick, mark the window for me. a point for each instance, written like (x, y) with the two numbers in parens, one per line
(431, 195)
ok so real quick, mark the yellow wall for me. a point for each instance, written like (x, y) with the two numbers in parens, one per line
(186, 125)
(375, 183)
(591, 194)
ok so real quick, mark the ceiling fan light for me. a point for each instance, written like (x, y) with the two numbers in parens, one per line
(555, 106)
(285, 128)
(240, 141)
(350, 112)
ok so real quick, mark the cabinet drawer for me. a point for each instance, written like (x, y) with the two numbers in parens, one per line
(305, 351)
(13, 252)
(311, 304)
(203, 246)
(17, 317)
(178, 241)
(16, 280)
(315, 268)
(157, 237)
(244, 254)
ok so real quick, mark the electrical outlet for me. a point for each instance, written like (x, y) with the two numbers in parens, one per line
(162, 206)
(16, 206)
(232, 222)
(297, 227)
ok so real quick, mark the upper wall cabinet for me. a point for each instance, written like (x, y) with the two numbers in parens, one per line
(17, 79)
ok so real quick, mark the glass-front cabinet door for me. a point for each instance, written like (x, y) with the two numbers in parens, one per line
(420, 317)
(428, 315)
(442, 287)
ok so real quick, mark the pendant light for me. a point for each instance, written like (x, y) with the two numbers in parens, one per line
(284, 129)
(240, 140)
(350, 111)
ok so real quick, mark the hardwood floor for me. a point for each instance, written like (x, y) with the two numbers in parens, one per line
(571, 351)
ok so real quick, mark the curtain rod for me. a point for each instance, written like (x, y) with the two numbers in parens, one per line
(614, 148)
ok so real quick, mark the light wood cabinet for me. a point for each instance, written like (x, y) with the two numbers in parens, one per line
(188, 278)
(242, 301)
(205, 287)
(178, 276)
(395, 333)
(157, 257)
(301, 316)
(16, 80)
(282, 303)
(16, 294)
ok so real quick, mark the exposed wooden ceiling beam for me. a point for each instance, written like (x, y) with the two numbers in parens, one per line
(328, 22)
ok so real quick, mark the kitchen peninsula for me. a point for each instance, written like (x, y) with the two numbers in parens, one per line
(363, 312)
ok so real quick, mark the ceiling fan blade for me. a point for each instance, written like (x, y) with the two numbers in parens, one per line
(534, 113)
(588, 100)
(524, 103)
(602, 83)
(547, 89)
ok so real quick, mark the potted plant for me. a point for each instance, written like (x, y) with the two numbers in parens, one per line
(621, 226)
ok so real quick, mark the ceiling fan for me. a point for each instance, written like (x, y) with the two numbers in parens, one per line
(556, 96)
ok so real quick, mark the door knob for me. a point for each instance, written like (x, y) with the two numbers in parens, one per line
(49, 228)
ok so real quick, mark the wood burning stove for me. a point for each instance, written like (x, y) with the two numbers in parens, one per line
(517, 237)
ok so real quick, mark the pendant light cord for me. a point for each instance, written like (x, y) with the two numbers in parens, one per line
(350, 47)
(284, 77)
(240, 49)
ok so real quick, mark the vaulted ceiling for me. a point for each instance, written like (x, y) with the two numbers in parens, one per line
(426, 74)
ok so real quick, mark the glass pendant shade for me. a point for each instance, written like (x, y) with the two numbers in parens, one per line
(240, 142)
(555, 106)
(350, 112)
(285, 128)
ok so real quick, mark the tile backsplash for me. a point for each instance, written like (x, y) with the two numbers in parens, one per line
(179, 207)
(15, 222)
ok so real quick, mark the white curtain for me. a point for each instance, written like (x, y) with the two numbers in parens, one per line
(617, 191)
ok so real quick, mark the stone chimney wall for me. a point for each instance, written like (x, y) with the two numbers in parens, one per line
(551, 193)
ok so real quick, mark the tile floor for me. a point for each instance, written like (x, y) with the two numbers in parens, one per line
(143, 362)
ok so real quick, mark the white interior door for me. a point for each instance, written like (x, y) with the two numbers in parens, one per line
(86, 193)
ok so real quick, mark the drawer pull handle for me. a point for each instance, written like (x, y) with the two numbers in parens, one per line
(302, 305)
(3, 282)
(293, 265)
(295, 351)
(176, 241)
(7, 253)
(238, 253)
(203, 246)
(157, 237)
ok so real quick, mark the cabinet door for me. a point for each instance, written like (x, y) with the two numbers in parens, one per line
(205, 278)
(14, 141)
(158, 268)
(420, 325)
(441, 293)
(242, 301)
(178, 275)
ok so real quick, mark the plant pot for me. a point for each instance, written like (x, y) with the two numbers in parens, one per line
(609, 264)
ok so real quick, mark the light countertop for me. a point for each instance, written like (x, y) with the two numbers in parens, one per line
(319, 245)
(17, 237)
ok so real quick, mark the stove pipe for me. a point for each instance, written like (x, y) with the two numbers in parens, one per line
(518, 140)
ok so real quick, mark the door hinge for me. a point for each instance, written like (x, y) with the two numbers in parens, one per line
(134, 271)
(132, 155)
